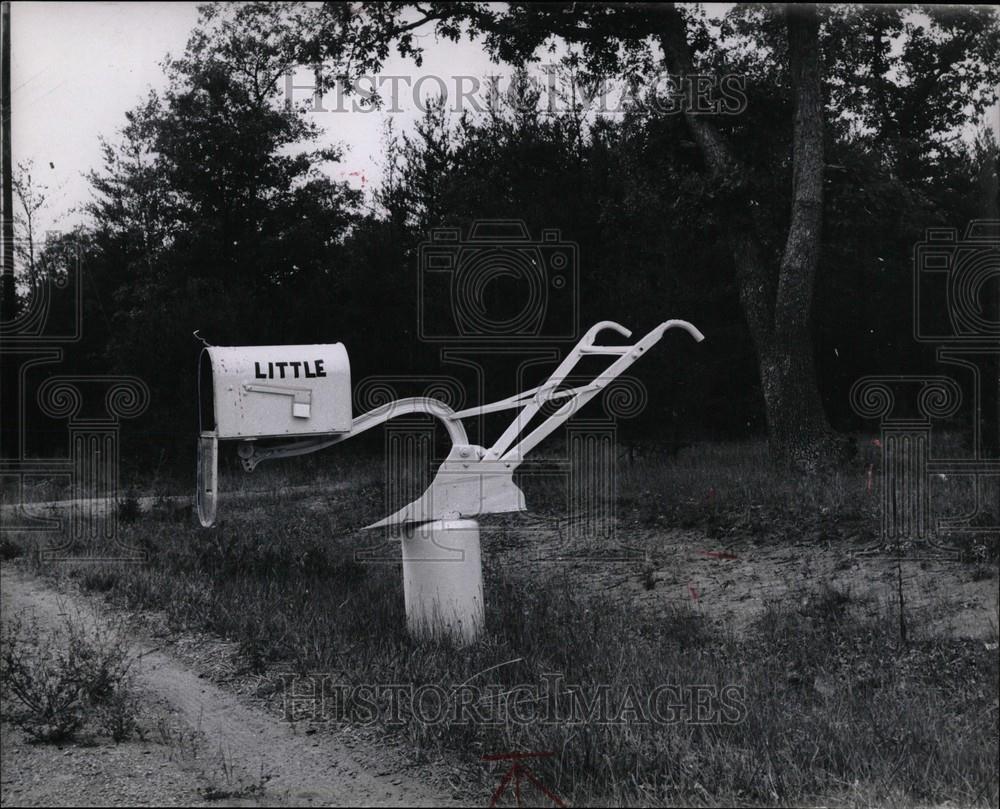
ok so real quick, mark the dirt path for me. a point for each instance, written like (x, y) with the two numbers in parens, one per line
(314, 769)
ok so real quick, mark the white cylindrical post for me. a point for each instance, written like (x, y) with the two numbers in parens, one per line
(443, 580)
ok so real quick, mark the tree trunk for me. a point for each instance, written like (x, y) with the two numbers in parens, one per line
(797, 423)
(777, 305)
(9, 394)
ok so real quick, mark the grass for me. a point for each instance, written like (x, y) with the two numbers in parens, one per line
(232, 781)
(835, 708)
(726, 488)
(716, 487)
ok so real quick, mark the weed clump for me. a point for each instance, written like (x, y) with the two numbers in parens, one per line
(9, 550)
(129, 509)
(58, 680)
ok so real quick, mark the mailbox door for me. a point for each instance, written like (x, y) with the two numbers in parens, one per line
(270, 391)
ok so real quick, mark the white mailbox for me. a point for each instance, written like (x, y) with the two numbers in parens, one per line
(275, 391)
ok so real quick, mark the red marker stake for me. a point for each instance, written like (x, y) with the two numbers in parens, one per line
(718, 554)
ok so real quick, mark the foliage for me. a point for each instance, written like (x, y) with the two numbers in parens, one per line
(215, 209)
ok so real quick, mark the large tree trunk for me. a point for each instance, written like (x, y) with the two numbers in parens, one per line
(777, 305)
(796, 421)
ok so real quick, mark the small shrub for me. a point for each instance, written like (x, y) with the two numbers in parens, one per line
(49, 693)
(61, 678)
(128, 509)
(10, 550)
(981, 573)
(251, 655)
(647, 579)
(233, 781)
(117, 716)
(98, 580)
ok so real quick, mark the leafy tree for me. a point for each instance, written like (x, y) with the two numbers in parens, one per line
(215, 210)
(789, 50)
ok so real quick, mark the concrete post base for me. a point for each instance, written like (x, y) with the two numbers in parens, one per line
(443, 580)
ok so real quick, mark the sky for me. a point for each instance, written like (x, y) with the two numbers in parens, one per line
(75, 70)
(78, 67)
